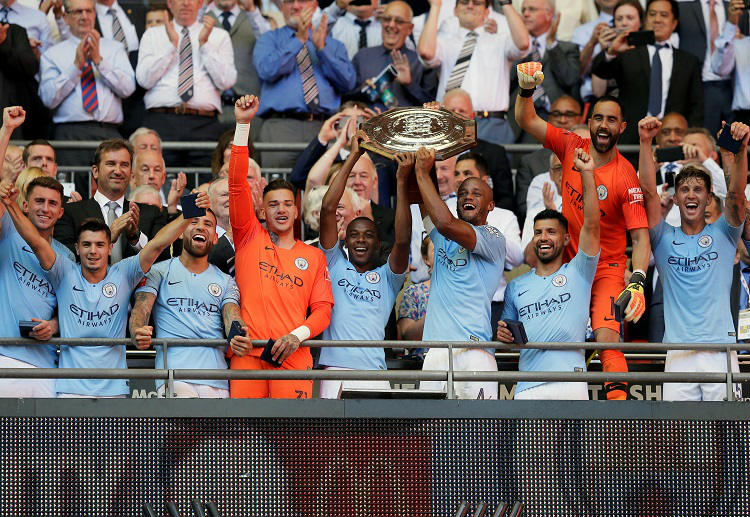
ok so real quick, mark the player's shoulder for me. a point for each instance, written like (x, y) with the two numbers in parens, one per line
(490, 231)
(311, 254)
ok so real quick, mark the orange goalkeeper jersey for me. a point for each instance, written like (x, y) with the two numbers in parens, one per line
(278, 287)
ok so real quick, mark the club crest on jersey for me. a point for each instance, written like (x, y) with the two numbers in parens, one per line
(373, 277)
(559, 280)
(705, 241)
(214, 289)
(109, 289)
(601, 191)
(301, 263)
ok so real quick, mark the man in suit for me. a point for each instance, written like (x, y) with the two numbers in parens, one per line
(677, 88)
(362, 180)
(222, 253)
(111, 170)
(561, 59)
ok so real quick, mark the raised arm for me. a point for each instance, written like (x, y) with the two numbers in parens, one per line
(400, 252)
(13, 116)
(427, 46)
(648, 128)
(526, 115)
(328, 227)
(446, 224)
(518, 30)
(39, 245)
(734, 208)
(241, 209)
(589, 238)
(318, 172)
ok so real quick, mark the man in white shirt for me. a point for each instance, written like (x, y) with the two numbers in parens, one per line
(356, 26)
(33, 20)
(83, 81)
(184, 66)
(733, 54)
(586, 36)
(474, 60)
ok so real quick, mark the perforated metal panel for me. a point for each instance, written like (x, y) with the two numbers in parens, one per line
(366, 467)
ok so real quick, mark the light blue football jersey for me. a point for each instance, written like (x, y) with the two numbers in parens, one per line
(189, 305)
(94, 310)
(362, 305)
(552, 308)
(696, 274)
(26, 293)
(462, 285)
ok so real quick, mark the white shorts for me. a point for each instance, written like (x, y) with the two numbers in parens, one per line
(555, 391)
(464, 359)
(332, 389)
(189, 390)
(79, 396)
(698, 361)
(24, 388)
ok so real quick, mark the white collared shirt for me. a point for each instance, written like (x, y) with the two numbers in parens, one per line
(667, 58)
(487, 78)
(707, 74)
(60, 82)
(734, 54)
(105, 22)
(535, 204)
(103, 200)
(347, 32)
(33, 20)
(581, 36)
(158, 67)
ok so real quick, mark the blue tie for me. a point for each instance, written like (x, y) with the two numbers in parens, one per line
(655, 90)
(4, 15)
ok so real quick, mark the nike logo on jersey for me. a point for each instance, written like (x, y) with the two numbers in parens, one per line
(524, 292)
(677, 243)
(77, 289)
(269, 248)
(27, 249)
(173, 283)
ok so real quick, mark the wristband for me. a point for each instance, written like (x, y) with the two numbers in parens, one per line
(526, 92)
(241, 134)
(302, 333)
(638, 277)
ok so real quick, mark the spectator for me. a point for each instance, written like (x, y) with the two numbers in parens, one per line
(472, 165)
(714, 209)
(701, 22)
(33, 20)
(692, 242)
(469, 258)
(157, 15)
(113, 23)
(413, 307)
(566, 113)
(733, 53)
(189, 299)
(567, 286)
(244, 28)
(678, 88)
(472, 59)
(144, 139)
(147, 195)
(673, 129)
(40, 153)
(573, 13)
(100, 310)
(543, 194)
(628, 17)
(83, 81)
(184, 66)
(369, 301)
(621, 203)
(363, 180)
(303, 73)
(111, 170)
(295, 292)
(12, 164)
(355, 26)
(149, 169)
(414, 84)
(311, 211)
(26, 293)
(586, 36)
(561, 59)
(222, 253)
(459, 101)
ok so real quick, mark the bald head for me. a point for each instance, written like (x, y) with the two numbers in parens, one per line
(459, 101)
(474, 201)
(396, 24)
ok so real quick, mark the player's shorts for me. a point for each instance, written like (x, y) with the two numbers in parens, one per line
(604, 293)
(332, 389)
(698, 361)
(262, 389)
(555, 391)
(464, 359)
(190, 390)
(24, 388)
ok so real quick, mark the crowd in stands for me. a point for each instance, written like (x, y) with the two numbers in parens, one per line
(109, 254)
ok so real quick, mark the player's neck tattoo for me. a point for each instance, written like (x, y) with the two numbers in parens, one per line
(274, 237)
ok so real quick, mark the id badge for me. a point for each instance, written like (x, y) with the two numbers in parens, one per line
(743, 324)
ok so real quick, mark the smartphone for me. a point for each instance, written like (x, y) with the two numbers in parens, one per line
(519, 333)
(25, 327)
(235, 330)
(189, 208)
(726, 141)
(267, 356)
(641, 38)
(670, 154)
(669, 180)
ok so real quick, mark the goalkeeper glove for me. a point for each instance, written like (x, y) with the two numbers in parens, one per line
(631, 304)
(530, 75)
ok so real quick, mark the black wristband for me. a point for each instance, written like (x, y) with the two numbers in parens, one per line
(638, 278)
(526, 92)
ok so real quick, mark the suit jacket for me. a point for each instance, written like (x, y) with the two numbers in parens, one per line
(502, 178)
(531, 165)
(692, 28)
(151, 221)
(243, 41)
(632, 72)
(222, 256)
(385, 218)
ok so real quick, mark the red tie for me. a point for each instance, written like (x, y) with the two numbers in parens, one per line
(88, 88)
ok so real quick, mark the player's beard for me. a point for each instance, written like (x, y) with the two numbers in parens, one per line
(556, 252)
(187, 245)
(613, 138)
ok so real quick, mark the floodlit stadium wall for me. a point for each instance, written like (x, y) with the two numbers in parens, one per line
(374, 457)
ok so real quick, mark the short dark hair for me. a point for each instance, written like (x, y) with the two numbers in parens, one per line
(692, 171)
(92, 224)
(46, 182)
(36, 141)
(672, 4)
(608, 98)
(278, 184)
(113, 144)
(479, 162)
(548, 213)
(632, 3)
